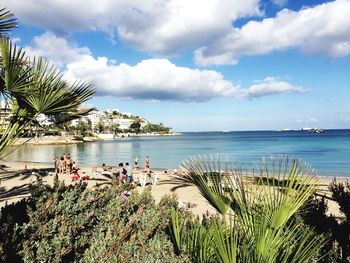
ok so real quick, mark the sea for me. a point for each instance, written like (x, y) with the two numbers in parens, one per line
(327, 153)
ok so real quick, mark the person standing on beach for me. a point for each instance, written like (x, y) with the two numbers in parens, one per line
(136, 161)
(65, 161)
(68, 164)
(147, 169)
(128, 172)
(122, 173)
(62, 165)
(55, 164)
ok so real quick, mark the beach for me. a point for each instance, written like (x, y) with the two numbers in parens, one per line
(14, 185)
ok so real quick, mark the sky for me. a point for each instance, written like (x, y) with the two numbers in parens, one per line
(199, 65)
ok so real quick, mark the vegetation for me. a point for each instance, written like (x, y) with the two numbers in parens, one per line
(159, 128)
(75, 224)
(265, 214)
(257, 217)
(259, 221)
(31, 87)
(337, 249)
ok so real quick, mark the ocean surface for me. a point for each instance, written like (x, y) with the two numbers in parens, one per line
(328, 153)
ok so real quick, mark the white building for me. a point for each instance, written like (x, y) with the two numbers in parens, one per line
(123, 123)
(107, 119)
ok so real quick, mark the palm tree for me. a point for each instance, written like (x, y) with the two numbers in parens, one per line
(7, 21)
(32, 87)
(257, 210)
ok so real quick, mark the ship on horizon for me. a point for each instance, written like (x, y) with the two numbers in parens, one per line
(313, 130)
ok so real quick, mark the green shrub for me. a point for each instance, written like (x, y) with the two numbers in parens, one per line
(75, 224)
(78, 138)
(337, 249)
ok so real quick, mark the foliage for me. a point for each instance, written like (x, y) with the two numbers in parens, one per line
(258, 214)
(83, 128)
(11, 216)
(7, 21)
(78, 138)
(337, 231)
(159, 128)
(30, 88)
(75, 224)
(135, 126)
(193, 237)
(100, 126)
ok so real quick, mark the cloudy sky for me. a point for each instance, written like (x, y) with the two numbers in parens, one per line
(201, 65)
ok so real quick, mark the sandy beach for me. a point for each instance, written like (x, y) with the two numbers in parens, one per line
(15, 180)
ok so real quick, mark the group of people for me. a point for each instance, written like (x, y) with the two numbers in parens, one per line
(123, 172)
(147, 168)
(64, 164)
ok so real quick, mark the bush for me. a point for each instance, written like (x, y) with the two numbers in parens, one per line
(337, 249)
(74, 224)
(78, 138)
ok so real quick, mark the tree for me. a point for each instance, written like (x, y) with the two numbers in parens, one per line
(114, 128)
(100, 127)
(31, 87)
(256, 208)
(135, 126)
(83, 128)
(150, 127)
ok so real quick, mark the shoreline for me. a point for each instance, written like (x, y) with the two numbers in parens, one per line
(14, 185)
(69, 139)
(48, 165)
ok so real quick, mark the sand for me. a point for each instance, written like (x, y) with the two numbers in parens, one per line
(14, 185)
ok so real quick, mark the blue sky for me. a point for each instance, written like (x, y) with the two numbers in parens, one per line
(201, 65)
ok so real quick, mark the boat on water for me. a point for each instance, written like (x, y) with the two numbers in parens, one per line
(313, 130)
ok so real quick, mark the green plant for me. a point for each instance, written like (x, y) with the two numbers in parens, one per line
(32, 87)
(78, 138)
(7, 21)
(75, 224)
(257, 210)
(337, 249)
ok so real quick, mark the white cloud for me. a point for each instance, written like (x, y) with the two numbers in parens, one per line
(170, 26)
(323, 29)
(159, 26)
(16, 40)
(280, 2)
(270, 86)
(152, 79)
(159, 79)
(57, 49)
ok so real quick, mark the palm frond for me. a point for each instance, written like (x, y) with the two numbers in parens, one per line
(7, 21)
(35, 87)
(62, 118)
(262, 203)
(205, 172)
(49, 94)
(15, 73)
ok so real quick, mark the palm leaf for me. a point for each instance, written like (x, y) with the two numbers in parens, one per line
(7, 21)
(206, 174)
(15, 70)
(49, 94)
(33, 88)
(263, 204)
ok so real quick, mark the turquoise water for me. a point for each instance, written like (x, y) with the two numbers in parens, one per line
(328, 153)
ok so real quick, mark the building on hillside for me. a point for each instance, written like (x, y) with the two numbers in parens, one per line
(123, 123)
(44, 120)
(107, 119)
